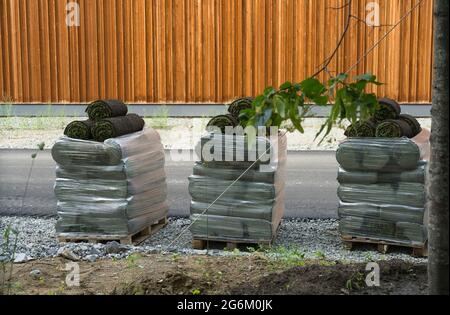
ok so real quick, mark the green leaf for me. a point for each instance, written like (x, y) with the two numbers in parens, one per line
(280, 105)
(269, 92)
(294, 116)
(321, 100)
(312, 88)
(34, 155)
(286, 85)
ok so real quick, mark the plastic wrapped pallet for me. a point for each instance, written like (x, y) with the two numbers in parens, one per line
(251, 209)
(382, 189)
(113, 188)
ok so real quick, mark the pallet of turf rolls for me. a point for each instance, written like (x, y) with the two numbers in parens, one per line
(382, 182)
(110, 178)
(250, 210)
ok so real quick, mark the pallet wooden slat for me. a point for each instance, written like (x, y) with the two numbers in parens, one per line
(231, 244)
(384, 246)
(133, 239)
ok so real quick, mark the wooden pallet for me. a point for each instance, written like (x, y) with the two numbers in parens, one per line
(202, 243)
(384, 246)
(133, 239)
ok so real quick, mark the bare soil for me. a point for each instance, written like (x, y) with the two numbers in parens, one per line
(177, 274)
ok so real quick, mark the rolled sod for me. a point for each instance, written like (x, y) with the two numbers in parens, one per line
(239, 105)
(413, 123)
(117, 127)
(80, 130)
(223, 121)
(362, 129)
(102, 109)
(394, 129)
(388, 109)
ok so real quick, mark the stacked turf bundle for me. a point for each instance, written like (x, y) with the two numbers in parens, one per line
(382, 190)
(387, 122)
(231, 119)
(107, 119)
(251, 208)
(113, 188)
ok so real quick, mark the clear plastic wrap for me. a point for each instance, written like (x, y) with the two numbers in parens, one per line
(414, 176)
(233, 151)
(382, 189)
(400, 232)
(252, 208)
(391, 213)
(397, 193)
(115, 188)
(378, 154)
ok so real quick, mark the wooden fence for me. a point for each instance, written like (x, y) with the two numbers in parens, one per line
(202, 51)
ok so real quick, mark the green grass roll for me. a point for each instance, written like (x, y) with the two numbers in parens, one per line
(223, 121)
(102, 109)
(362, 129)
(240, 104)
(394, 129)
(79, 130)
(388, 109)
(117, 127)
(416, 128)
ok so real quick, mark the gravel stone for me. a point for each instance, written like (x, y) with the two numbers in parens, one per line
(314, 238)
(21, 258)
(115, 248)
(91, 258)
(36, 274)
(68, 254)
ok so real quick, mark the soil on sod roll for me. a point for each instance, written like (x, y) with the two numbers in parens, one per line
(394, 129)
(413, 123)
(80, 130)
(363, 129)
(388, 109)
(239, 105)
(102, 109)
(222, 121)
(117, 127)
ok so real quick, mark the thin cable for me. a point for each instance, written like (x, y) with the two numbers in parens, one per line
(407, 14)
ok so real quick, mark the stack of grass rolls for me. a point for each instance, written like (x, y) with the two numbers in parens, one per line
(252, 206)
(382, 190)
(117, 187)
(110, 174)
(232, 119)
(387, 122)
(107, 119)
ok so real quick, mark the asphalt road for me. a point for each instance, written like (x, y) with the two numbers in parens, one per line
(310, 188)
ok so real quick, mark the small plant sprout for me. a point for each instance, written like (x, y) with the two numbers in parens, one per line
(356, 282)
(133, 259)
(40, 147)
(320, 255)
(196, 292)
(7, 255)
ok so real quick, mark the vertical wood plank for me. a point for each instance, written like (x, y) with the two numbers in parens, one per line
(199, 36)
(150, 56)
(208, 53)
(180, 57)
(139, 51)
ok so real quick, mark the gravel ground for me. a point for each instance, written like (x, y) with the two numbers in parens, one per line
(176, 133)
(314, 238)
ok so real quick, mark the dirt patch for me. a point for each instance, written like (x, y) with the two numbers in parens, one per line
(192, 275)
(395, 278)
